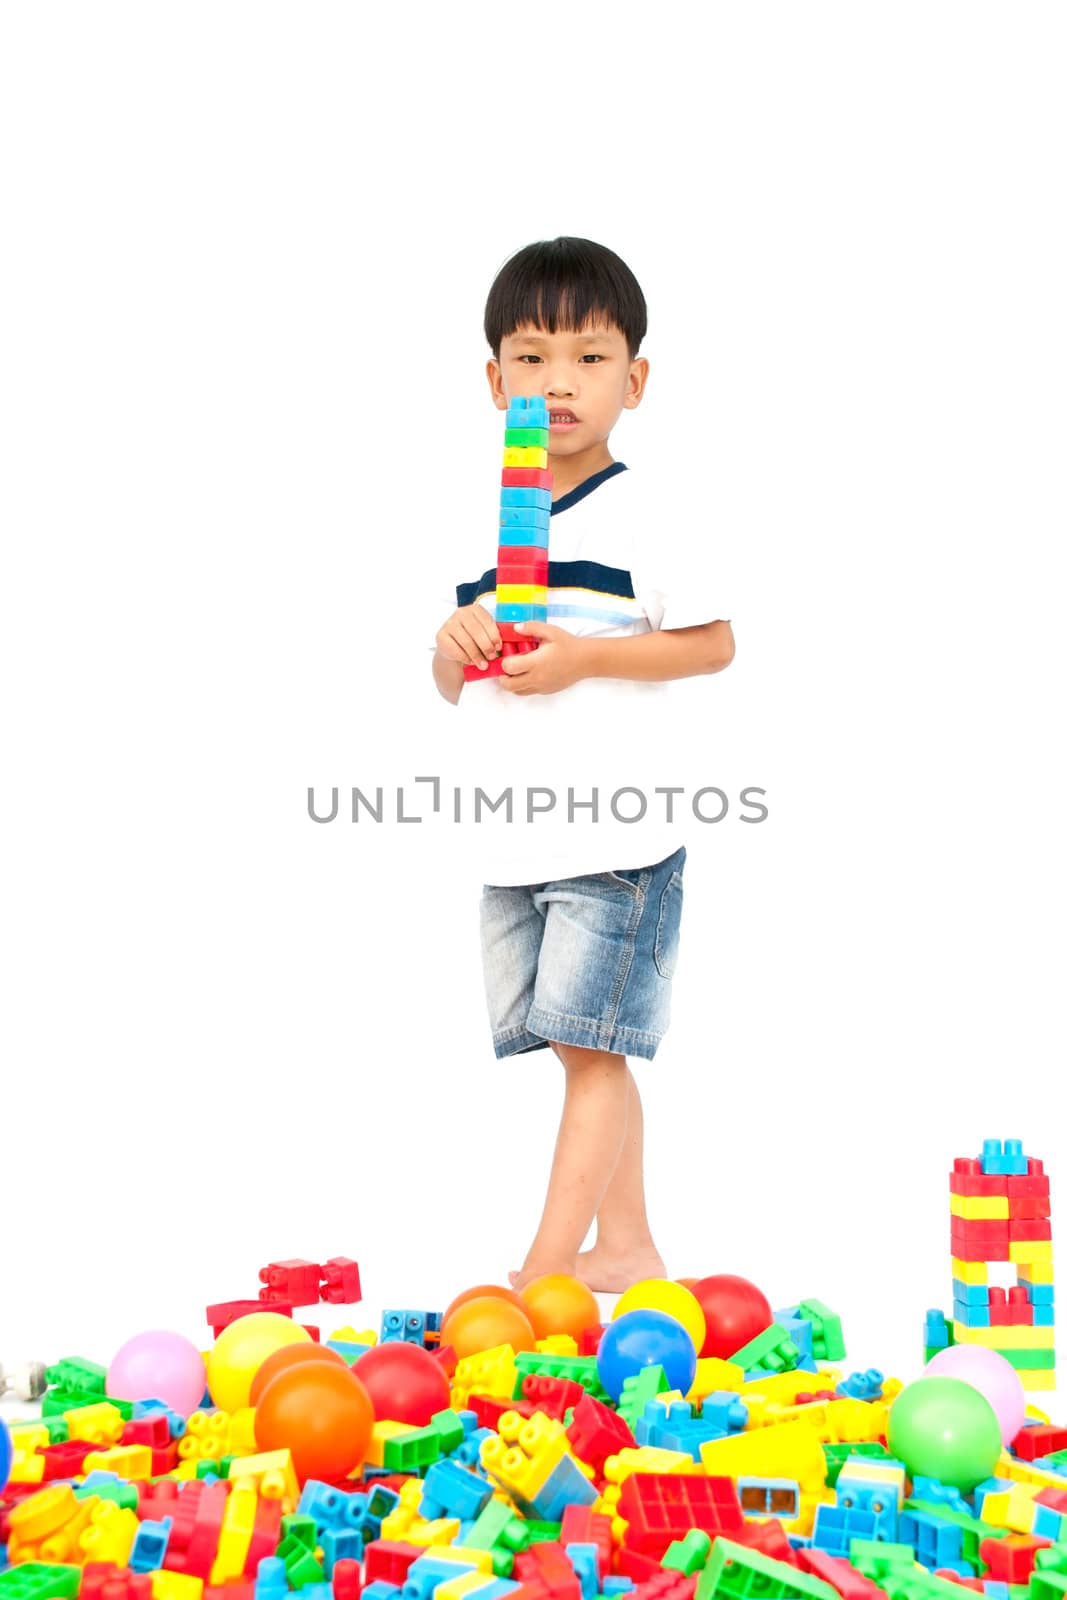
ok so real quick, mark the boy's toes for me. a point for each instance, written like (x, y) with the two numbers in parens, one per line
(513, 1278)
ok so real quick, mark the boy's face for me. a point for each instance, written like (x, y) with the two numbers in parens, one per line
(586, 379)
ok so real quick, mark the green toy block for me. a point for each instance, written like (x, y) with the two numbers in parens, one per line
(300, 1529)
(120, 1492)
(837, 1454)
(543, 1532)
(449, 1430)
(39, 1580)
(582, 1369)
(413, 1452)
(297, 1550)
(827, 1340)
(733, 1571)
(917, 1584)
(638, 1390)
(78, 1375)
(497, 1527)
(1030, 1360)
(1053, 1557)
(688, 1555)
(877, 1559)
(1047, 1585)
(526, 437)
(770, 1351)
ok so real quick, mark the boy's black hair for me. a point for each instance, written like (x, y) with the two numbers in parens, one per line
(560, 284)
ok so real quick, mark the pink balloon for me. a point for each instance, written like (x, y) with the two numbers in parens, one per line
(991, 1375)
(159, 1366)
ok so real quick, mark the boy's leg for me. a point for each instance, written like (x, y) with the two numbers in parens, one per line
(591, 1135)
(625, 1251)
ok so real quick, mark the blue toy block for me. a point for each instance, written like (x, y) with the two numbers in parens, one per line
(527, 411)
(993, 1589)
(1050, 1464)
(380, 1501)
(934, 1492)
(585, 1559)
(970, 1316)
(971, 1294)
(520, 611)
(565, 1485)
(522, 535)
(271, 1582)
(152, 1408)
(332, 1508)
(450, 1490)
(150, 1545)
(428, 1571)
(769, 1497)
(495, 1589)
(834, 1528)
(725, 1411)
(513, 495)
(469, 1453)
(1041, 1294)
(1044, 1316)
(988, 1486)
(936, 1543)
(799, 1329)
(408, 1327)
(879, 1500)
(340, 1544)
(344, 1347)
(379, 1590)
(862, 1385)
(936, 1331)
(612, 1587)
(1003, 1160)
(1048, 1523)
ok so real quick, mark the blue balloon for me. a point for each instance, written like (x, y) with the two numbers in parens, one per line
(645, 1339)
(5, 1454)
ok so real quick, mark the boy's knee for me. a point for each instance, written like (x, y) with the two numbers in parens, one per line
(577, 1058)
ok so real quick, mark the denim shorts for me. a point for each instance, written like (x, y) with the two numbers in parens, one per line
(585, 961)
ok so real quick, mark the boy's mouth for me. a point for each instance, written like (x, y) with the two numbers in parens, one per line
(562, 419)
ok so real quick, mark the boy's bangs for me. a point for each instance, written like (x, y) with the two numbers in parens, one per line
(562, 286)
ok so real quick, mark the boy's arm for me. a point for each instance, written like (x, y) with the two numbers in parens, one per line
(448, 676)
(664, 654)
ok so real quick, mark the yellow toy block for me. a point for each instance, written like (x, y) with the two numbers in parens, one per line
(99, 1424)
(176, 1586)
(132, 1461)
(1026, 1472)
(235, 1535)
(1036, 1272)
(207, 1437)
(785, 1386)
(524, 1452)
(1038, 1378)
(791, 1450)
(980, 1207)
(856, 1421)
(1014, 1337)
(557, 1344)
(764, 1413)
(522, 594)
(490, 1372)
(1025, 1251)
(350, 1335)
(63, 1543)
(441, 1531)
(464, 1584)
(466, 1555)
(714, 1375)
(110, 1534)
(525, 455)
(26, 1467)
(648, 1458)
(271, 1473)
(970, 1271)
(185, 1471)
(29, 1436)
(243, 1432)
(40, 1514)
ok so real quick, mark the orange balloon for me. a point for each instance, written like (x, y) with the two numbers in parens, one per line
(484, 1323)
(477, 1293)
(288, 1356)
(321, 1414)
(688, 1283)
(558, 1303)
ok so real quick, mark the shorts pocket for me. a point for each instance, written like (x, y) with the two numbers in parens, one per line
(669, 926)
(630, 876)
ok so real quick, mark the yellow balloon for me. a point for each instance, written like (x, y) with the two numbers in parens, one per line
(660, 1294)
(240, 1350)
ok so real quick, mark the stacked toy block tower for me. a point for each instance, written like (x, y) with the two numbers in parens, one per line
(525, 509)
(1001, 1213)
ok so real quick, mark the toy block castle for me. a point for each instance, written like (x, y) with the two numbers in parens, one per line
(525, 509)
(1001, 1213)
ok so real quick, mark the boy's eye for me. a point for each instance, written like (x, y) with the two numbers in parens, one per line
(591, 357)
(588, 357)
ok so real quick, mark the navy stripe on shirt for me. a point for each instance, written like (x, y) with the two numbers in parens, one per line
(561, 575)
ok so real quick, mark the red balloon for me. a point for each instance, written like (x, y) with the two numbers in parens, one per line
(735, 1311)
(290, 1355)
(321, 1414)
(405, 1382)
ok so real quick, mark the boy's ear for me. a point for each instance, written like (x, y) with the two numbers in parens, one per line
(635, 386)
(496, 384)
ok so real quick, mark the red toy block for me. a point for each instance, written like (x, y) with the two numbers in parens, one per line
(390, 1559)
(1011, 1560)
(231, 1591)
(347, 1583)
(596, 1433)
(104, 1580)
(589, 1340)
(220, 1316)
(165, 1459)
(158, 1500)
(446, 1355)
(631, 1564)
(1034, 1186)
(804, 1398)
(518, 555)
(340, 1281)
(583, 1525)
(1030, 1229)
(665, 1585)
(1029, 1206)
(1055, 1499)
(769, 1538)
(660, 1507)
(1040, 1439)
(295, 1282)
(65, 1460)
(553, 1396)
(266, 1532)
(194, 1535)
(489, 1408)
(838, 1573)
(153, 1431)
(967, 1178)
(526, 478)
(950, 1576)
(547, 1563)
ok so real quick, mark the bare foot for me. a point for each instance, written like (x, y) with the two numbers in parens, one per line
(525, 1274)
(611, 1274)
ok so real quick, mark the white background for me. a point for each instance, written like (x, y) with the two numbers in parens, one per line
(246, 256)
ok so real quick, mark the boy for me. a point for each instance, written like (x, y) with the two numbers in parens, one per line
(578, 953)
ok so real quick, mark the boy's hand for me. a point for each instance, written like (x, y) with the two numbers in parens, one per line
(556, 664)
(470, 636)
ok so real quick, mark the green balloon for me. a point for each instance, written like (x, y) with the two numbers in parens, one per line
(944, 1428)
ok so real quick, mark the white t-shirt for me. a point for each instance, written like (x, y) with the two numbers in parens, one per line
(622, 561)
